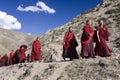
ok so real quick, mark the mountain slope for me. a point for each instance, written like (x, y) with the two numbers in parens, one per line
(11, 40)
(109, 11)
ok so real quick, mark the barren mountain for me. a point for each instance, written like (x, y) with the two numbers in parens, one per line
(107, 68)
(11, 40)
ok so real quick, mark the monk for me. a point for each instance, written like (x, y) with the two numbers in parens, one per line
(4, 61)
(86, 41)
(15, 58)
(101, 48)
(69, 45)
(36, 51)
(22, 56)
(11, 55)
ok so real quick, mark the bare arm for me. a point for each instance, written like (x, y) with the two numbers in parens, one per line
(98, 36)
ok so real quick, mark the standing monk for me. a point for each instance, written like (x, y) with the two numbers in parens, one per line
(15, 58)
(69, 46)
(101, 48)
(22, 56)
(86, 41)
(11, 55)
(36, 51)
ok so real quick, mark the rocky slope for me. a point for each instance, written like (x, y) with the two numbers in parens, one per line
(109, 11)
(82, 69)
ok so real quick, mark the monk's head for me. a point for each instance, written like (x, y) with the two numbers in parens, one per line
(37, 38)
(70, 29)
(89, 22)
(100, 22)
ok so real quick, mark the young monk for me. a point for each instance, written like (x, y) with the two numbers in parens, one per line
(69, 46)
(36, 51)
(101, 48)
(86, 41)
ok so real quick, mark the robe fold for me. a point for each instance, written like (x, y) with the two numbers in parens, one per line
(69, 47)
(101, 48)
(36, 52)
(86, 42)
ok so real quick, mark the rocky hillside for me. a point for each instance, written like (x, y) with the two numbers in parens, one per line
(10, 40)
(109, 11)
(82, 69)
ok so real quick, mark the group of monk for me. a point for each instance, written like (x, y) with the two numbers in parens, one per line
(19, 56)
(89, 37)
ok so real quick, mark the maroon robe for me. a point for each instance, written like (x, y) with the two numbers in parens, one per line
(4, 61)
(22, 55)
(86, 42)
(101, 48)
(15, 58)
(36, 52)
(69, 47)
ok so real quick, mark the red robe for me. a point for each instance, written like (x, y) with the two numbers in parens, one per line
(86, 42)
(22, 55)
(69, 47)
(86, 38)
(11, 55)
(16, 56)
(4, 61)
(101, 48)
(36, 52)
(67, 39)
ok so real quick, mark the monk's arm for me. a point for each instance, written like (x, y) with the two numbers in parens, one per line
(98, 36)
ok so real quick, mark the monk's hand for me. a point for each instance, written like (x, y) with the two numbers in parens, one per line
(91, 35)
(98, 40)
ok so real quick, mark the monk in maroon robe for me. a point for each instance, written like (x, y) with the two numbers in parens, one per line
(22, 56)
(11, 55)
(70, 44)
(36, 51)
(101, 48)
(15, 58)
(4, 61)
(86, 41)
